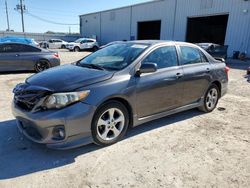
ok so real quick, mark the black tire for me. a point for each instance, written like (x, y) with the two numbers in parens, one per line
(206, 107)
(42, 65)
(100, 113)
(77, 49)
(63, 46)
(95, 48)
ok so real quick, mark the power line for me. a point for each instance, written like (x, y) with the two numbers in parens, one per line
(56, 10)
(48, 21)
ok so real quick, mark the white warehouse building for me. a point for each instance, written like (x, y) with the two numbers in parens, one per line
(219, 21)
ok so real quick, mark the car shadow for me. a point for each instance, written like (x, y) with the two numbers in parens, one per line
(16, 72)
(19, 156)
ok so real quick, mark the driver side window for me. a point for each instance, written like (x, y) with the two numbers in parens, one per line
(164, 57)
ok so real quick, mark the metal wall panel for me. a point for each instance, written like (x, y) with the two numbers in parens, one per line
(159, 10)
(115, 25)
(238, 28)
(90, 25)
(121, 24)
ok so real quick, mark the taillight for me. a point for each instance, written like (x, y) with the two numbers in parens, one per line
(56, 55)
(227, 70)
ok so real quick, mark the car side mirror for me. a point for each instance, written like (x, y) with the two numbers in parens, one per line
(220, 59)
(146, 68)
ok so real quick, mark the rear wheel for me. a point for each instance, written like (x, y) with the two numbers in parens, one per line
(63, 46)
(42, 65)
(76, 49)
(110, 123)
(211, 99)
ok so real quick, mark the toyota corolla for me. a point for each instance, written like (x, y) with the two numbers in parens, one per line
(122, 85)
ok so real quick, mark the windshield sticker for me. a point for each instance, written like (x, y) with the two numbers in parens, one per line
(139, 46)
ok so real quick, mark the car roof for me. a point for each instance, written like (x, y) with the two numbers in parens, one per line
(157, 42)
(2, 43)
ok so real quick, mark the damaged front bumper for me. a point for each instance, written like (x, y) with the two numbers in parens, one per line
(42, 126)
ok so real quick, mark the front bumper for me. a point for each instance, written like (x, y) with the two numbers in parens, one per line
(38, 126)
(70, 47)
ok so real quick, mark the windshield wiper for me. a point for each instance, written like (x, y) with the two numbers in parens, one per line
(92, 66)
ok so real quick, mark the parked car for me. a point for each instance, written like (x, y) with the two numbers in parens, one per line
(122, 85)
(57, 43)
(24, 57)
(217, 51)
(44, 44)
(19, 40)
(83, 44)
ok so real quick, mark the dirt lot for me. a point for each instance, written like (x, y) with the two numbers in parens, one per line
(190, 149)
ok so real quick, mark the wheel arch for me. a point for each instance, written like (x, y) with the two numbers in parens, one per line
(218, 84)
(41, 59)
(125, 103)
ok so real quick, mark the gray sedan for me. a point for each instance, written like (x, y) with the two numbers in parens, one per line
(23, 57)
(122, 85)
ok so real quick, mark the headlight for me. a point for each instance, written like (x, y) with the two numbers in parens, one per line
(60, 100)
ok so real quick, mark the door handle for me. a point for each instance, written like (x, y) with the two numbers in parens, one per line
(17, 55)
(179, 75)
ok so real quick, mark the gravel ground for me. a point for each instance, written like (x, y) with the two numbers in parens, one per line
(189, 149)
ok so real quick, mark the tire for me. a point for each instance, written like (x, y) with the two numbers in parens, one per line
(95, 48)
(63, 46)
(211, 99)
(77, 49)
(105, 130)
(42, 65)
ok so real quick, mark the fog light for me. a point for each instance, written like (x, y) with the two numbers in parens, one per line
(61, 133)
(58, 133)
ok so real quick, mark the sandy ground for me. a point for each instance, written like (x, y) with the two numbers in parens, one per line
(189, 149)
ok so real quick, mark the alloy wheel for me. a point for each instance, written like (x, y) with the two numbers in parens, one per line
(110, 124)
(41, 66)
(212, 98)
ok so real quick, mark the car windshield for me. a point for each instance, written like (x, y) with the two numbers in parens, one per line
(78, 40)
(114, 57)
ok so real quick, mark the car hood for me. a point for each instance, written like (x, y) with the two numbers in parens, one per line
(68, 78)
(72, 43)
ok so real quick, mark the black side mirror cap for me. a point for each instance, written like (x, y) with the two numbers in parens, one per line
(220, 59)
(146, 68)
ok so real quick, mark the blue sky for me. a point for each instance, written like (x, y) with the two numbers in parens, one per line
(62, 11)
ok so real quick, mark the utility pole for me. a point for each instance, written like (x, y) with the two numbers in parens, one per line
(22, 8)
(7, 15)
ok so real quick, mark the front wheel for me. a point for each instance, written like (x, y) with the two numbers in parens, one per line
(110, 123)
(77, 49)
(211, 99)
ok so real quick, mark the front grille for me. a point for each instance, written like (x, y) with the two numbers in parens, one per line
(27, 97)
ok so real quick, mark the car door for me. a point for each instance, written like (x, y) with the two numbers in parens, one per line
(196, 69)
(52, 44)
(159, 91)
(58, 43)
(90, 43)
(9, 57)
(29, 56)
(83, 44)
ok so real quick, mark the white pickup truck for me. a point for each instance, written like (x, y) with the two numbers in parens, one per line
(83, 44)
